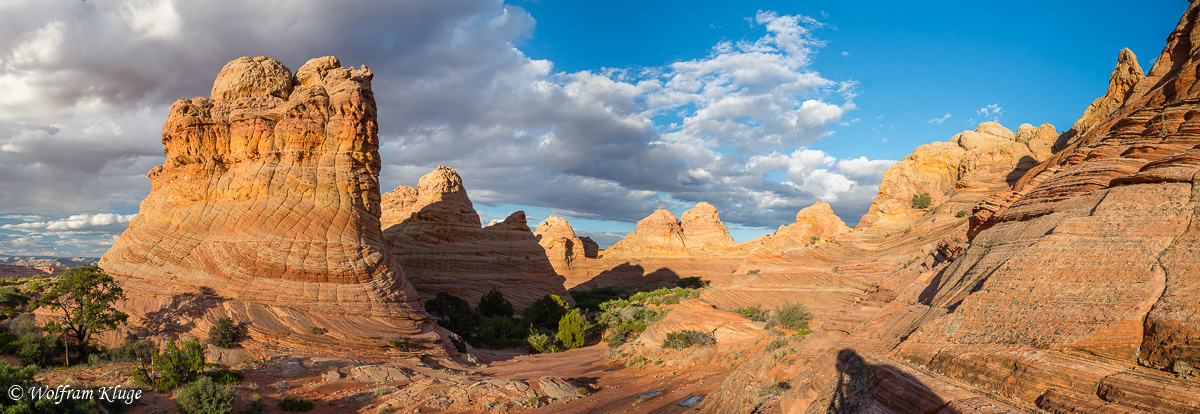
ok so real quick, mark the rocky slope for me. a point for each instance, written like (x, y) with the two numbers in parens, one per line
(267, 211)
(436, 236)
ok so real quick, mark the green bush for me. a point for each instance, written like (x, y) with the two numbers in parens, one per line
(400, 342)
(540, 343)
(499, 332)
(204, 397)
(921, 201)
(753, 272)
(754, 312)
(961, 213)
(688, 338)
(776, 344)
(620, 334)
(453, 313)
(177, 366)
(791, 316)
(493, 303)
(544, 313)
(226, 377)
(225, 333)
(571, 329)
(294, 404)
(37, 349)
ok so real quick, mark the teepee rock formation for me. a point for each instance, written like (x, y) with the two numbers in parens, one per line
(435, 234)
(267, 211)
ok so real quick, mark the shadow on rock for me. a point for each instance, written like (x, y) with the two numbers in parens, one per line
(865, 387)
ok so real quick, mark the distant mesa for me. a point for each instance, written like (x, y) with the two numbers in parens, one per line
(661, 234)
(434, 232)
(267, 210)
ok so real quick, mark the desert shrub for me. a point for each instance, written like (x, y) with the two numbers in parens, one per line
(36, 349)
(774, 390)
(453, 313)
(688, 338)
(225, 333)
(620, 334)
(753, 272)
(961, 213)
(791, 316)
(540, 343)
(571, 329)
(254, 405)
(493, 303)
(921, 201)
(204, 397)
(400, 342)
(776, 344)
(294, 404)
(177, 366)
(544, 313)
(754, 312)
(691, 282)
(226, 377)
(499, 332)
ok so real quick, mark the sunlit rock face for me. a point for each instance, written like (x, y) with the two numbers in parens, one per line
(267, 210)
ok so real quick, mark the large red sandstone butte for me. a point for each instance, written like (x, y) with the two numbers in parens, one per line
(267, 211)
(435, 234)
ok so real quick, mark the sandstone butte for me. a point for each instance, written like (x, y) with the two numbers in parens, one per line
(1065, 282)
(434, 233)
(267, 211)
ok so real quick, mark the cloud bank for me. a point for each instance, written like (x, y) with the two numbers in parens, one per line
(89, 83)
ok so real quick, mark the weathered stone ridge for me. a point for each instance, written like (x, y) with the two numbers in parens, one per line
(267, 210)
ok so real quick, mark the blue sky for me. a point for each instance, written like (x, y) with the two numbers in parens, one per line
(597, 111)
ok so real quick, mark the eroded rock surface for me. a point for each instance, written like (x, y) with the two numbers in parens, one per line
(267, 211)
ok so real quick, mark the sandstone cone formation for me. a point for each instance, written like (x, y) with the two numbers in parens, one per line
(661, 251)
(267, 211)
(563, 247)
(435, 234)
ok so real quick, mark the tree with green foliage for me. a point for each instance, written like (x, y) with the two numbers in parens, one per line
(571, 328)
(493, 303)
(541, 343)
(921, 201)
(225, 333)
(453, 313)
(83, 299)
(499, 332)
(545, 313)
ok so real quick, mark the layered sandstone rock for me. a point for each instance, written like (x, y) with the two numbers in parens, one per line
(983, 158)
(1092, 253)
(439, 242)
(267, 211)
